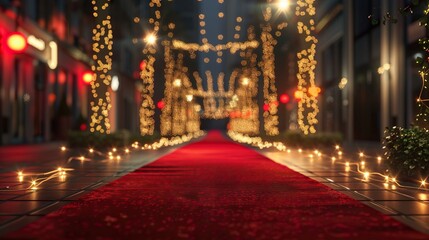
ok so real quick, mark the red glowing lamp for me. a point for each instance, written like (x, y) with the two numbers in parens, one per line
(266, 107)
(284, 98)
(142, 65)
(16, 42)
(88, 77)
(83, 127)
(160, 104)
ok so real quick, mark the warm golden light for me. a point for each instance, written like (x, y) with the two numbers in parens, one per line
(245, 81)
(177, 83)
(283, 4)
(150, 39)
(20, 177)
(189, 98)
(343, 83)
(366, 176)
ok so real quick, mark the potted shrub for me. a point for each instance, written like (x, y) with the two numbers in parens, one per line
(407, 151)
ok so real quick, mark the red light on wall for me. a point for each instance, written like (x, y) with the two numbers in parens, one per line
(284, 98)
(160, 104)
(142, 65)
(16, 42)
(51, 98)
(83, 127)
(266, 107)
(62, 77)
(88, 77)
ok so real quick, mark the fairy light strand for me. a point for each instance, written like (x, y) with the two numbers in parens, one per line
(147, 107)
(423, 103)
(270, 116)
(102, 55)
(34, 181)
(307, 89)
(389, 182)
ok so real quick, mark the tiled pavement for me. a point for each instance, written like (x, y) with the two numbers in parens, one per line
(18, 208)
(410, 206)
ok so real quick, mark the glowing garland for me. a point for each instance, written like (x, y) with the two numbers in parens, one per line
(35, 180)
(424, 73)
(244, 109)
(102, 56)
(244, 113)
(233, 47)
(307, 90)
(165, 142)
(423, 102)
(181, 85)
(221, 89)
(147, 107)
(389, 182)
(166, 115)
(271, 119)
(255, 141)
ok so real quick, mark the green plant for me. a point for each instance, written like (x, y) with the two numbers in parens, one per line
(407, 151)
(85, 139)
(298, 139)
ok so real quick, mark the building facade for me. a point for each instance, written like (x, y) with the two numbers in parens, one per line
(42, 93)
(366, 67)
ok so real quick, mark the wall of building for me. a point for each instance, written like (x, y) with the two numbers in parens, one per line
(354, 46)
(42, 95)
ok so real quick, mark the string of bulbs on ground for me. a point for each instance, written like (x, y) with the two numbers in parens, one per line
(37, 179)
(389, 181)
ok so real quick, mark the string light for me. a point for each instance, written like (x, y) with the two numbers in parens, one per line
(424, 73)
(255, 141)
(61, 172)
(233, 47)
(166, 115)
(268, 73)
(102, 56)
(308, 104)
(176, 140)
(388, 181)
(423, 102)
(147, 107)
(20, 176)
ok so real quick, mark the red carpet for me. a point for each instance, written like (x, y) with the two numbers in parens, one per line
(215, 189)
